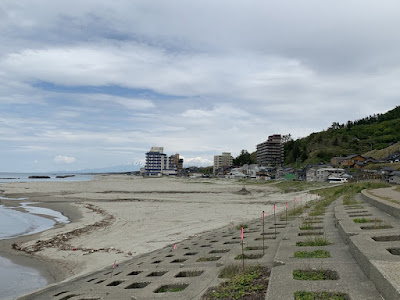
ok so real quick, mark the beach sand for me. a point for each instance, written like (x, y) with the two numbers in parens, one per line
(116, 217)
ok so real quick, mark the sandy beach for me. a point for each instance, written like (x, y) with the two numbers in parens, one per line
(116, 217)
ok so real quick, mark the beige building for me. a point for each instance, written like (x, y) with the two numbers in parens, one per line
(224, 160)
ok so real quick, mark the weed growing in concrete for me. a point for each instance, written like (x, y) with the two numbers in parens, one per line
(208, 258)
(315, 274)
(365, 220)
(312, 254)
(250, 248)
(253, 281)
(316, 241)
(249, 256)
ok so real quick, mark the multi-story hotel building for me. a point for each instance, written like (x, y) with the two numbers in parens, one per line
(270, 152)
(158, 163)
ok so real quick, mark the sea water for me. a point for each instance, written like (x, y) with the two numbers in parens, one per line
(16, 280)
(24, 177)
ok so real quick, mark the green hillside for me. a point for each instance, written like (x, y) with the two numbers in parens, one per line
(355, 137)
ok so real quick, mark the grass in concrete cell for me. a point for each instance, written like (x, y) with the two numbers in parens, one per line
(315, 274)
(250, 283)
(249, 256)
(303, 295)
(208, 258)
(365, 220)
(312, 254)
(171, 288)
(251, 248)
(312, 242)
(309, 226)
(351, 202)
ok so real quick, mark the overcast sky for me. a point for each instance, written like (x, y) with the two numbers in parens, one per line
(96, 83)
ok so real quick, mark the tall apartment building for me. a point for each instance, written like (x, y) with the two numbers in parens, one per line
(224, 160)
(158, 163)
(270, 152)
(176, 162)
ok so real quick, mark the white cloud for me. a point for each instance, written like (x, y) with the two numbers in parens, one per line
(64, 159)
(197, 161)
(189, 82)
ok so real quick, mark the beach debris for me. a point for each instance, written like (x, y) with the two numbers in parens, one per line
(61, 240)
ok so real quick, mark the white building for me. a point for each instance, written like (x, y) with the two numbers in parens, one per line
(322, 174)
(158, 163)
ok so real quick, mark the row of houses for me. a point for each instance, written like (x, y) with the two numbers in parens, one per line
(358, 161)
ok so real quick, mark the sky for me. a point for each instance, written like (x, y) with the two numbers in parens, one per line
(96, 83)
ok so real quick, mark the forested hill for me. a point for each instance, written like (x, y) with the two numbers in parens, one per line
(355, 137)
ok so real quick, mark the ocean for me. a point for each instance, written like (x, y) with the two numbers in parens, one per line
(24, 177)
(16, 280)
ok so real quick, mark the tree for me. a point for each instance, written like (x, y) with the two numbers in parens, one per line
(243, 158)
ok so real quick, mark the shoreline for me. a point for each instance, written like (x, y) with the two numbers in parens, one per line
(49, 269)
(146, 215)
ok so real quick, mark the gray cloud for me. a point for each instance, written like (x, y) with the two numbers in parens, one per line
(195, 77)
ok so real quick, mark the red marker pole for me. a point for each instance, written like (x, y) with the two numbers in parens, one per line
(241, 237)
(115, 262)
